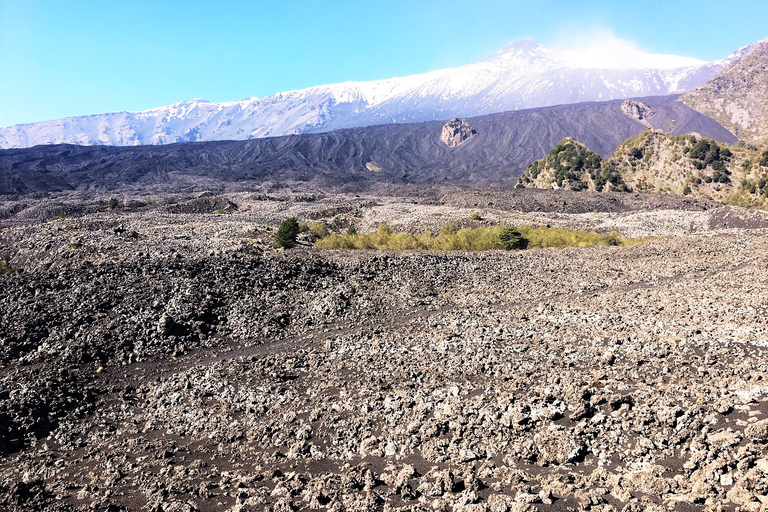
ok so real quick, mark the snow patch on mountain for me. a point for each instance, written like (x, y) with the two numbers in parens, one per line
(524, 74)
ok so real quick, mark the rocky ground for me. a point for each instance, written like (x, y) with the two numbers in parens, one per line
(161, 356)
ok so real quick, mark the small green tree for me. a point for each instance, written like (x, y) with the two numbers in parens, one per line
(287, 233)
(511, 239)
(351, 231)
(113, 203)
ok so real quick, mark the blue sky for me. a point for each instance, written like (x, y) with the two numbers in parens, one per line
(84, 57)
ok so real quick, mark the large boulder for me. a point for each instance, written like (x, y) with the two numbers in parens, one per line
(456, 132)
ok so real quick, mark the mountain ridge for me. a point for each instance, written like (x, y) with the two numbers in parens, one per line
(521, 75)
(496, 154)
(738, 97)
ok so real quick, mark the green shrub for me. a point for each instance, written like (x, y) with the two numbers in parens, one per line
(535, 169)
(512, 239)
(319, 229)
(608, 173)
(613, 238)
(113, 203)
(287, 233)
(748, 186)
(448, 229)
(303, 228)
(475, 216)
(706, 153)
(351, 230)
(4, 268)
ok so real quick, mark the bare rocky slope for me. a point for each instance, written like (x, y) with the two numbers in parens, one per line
(738, 97)
(497, 153)
(160, 356)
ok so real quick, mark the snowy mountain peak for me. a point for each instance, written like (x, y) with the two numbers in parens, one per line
(523, 74)
(524, 51)
(526, 46)
(605, 54)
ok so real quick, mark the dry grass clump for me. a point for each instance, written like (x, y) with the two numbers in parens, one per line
(450, 238)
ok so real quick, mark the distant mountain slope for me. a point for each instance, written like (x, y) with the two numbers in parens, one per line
(497, 153)
(522, 75)
(738, 97)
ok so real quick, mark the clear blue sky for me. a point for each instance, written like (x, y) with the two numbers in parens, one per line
(65, 58)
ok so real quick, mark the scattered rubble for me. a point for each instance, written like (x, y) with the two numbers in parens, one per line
(169, 359)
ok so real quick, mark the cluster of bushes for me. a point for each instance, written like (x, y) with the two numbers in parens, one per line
(450, 238)
(760, 187)
(568, 160)
(608, 173)
(708, 153)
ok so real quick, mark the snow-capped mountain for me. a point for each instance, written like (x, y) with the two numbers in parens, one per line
(522, 75)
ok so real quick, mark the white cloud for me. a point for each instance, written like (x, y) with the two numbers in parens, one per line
(601, 48)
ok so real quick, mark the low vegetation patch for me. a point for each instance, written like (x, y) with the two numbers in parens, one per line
(450, 238)
(572, 166)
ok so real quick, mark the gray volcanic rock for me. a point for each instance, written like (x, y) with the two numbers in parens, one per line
(455, 132)
(758, 432)
(637, 110)
(496, 155)
(160, 356)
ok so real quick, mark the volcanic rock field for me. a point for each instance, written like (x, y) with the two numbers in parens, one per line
(163, 356)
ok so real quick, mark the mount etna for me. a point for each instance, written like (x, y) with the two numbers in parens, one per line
(522, 75)
(493, 293)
